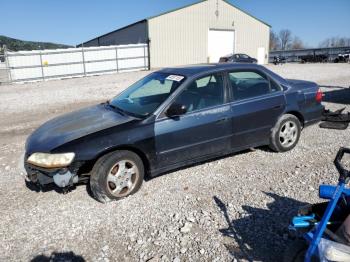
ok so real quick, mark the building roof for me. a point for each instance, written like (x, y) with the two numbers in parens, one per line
(201, 1)
(124, 27)
(310, 49)
(173, 10)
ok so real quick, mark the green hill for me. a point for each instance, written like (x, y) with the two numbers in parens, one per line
(20, 45)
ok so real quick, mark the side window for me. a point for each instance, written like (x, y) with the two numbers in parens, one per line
(203, 82)
(203, 93)
(206, 81)
(249, 84)
(274, 86)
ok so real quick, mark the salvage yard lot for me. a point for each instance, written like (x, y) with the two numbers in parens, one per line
(233, 207)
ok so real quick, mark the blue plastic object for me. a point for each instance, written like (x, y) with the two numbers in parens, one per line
(334, 194)
(302, 221)
(320, 228)
(327, 191)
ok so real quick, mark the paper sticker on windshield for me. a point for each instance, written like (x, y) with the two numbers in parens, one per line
(175, 78)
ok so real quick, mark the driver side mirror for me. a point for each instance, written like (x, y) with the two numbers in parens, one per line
(176, 110)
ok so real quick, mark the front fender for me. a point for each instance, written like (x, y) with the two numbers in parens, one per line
(91, 147)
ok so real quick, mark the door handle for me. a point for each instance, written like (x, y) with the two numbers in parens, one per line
(277, 107)
(221, 120)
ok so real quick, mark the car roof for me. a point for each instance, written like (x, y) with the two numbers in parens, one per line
(192, 70)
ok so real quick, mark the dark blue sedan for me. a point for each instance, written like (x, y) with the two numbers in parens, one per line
(170, 119)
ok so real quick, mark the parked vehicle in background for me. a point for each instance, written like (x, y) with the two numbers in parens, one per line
(237, 58)
(343, 57)
(169, 119)
(313, 58)
(279, 60)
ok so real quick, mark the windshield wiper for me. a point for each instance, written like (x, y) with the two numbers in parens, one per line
(124, 112)
(118, 109)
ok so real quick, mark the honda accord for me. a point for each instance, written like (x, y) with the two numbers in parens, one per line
(169, 119)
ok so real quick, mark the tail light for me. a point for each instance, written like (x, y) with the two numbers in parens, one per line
(319, 96)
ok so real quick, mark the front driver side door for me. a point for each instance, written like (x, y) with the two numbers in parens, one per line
(204, 130)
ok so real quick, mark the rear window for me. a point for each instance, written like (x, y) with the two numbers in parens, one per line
(223, 60)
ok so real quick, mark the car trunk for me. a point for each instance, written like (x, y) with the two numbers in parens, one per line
(302, 85)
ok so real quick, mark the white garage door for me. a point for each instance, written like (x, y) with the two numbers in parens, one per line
(220, 43)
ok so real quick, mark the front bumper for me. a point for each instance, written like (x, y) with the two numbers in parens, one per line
(39, 175)
(62, 177)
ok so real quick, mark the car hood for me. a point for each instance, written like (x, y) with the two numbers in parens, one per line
(68, 127)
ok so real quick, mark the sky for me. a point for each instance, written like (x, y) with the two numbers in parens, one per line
(74, 21)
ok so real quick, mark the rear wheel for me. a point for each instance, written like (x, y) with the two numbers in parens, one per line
(116, 176)
(286, 133)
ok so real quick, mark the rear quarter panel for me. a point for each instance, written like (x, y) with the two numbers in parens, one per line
(301, 97)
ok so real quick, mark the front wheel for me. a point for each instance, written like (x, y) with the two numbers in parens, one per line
(286, 133)
(116, 175)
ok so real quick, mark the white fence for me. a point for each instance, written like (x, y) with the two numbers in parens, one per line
(3, 73)
(63, 63)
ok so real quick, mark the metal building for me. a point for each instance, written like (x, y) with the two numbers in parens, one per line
(197, 33)
(325, 54)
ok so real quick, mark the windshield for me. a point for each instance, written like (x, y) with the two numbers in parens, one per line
(146, 95)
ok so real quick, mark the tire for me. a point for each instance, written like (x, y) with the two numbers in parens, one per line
(296, 251)
(116, 175)
(286, 133)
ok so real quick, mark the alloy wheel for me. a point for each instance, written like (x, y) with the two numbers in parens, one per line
(288, 134)
(122, 178)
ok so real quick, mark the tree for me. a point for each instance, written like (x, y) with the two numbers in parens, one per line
(335, 42)
(297, 43)
(274, 41)
(17, 45)
(285, 36)
(285, 41)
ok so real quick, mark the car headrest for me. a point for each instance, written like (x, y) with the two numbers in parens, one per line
(213, 89)
(193, 86)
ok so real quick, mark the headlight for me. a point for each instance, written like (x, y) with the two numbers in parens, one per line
(51, 160)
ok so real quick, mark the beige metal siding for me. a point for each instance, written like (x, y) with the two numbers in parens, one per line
(181, 37)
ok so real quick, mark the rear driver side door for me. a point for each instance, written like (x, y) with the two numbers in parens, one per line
(257, 103)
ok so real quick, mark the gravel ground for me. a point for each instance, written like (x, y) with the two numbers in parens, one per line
(236, 208)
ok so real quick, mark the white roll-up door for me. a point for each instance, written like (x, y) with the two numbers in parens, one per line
(220, 43)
